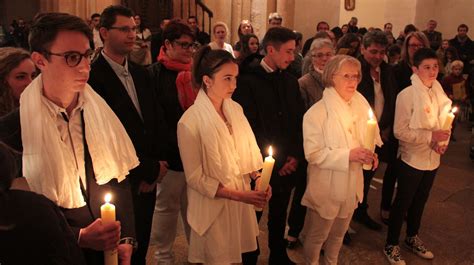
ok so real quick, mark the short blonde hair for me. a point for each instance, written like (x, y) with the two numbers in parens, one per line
(320, 43)
(334, 65)
(456, 63)
(220, 24)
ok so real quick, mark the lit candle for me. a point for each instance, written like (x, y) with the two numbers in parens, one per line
(369, 140)
(448, 123)
(107, 213)
(266, 172)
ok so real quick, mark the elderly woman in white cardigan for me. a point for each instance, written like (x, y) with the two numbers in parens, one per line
(220, 155)
(333, 130)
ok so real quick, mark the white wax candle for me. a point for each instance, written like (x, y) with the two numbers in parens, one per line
(369, 140)
(448, 123)
(107, 212)
(266, 172)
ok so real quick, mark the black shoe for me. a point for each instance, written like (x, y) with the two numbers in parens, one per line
(293, 244)
(364, 218)
(347, 239)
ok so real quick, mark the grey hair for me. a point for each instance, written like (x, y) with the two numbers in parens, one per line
(334, 65)
(320, 43)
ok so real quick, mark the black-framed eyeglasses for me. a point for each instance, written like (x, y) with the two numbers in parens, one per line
(186, 45)
(124, 29)
(74, 58)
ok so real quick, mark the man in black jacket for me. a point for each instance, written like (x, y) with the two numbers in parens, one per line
(378, 86)
(60, 49)
(126, 87)
(272, 103)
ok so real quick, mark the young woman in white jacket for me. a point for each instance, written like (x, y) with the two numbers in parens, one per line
(220, 156)
(333, 131)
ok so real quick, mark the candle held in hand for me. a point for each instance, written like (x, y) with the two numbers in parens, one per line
(107, 213)
(266, 172)
(448, 123)
(369, 140)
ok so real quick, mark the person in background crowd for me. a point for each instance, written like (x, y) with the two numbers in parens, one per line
(418, 121)
(219, 32)
(245, 28)
(465, 47)
(450, 55)
(272, 103)
(345, 29)
(337, 32)
(171, 77)
(249, 46)
(274, 20)
(296, 66)
(322, 26)
(403, 34)
(433, 36)
(335, 178)
(403, 71)
(441, 55)
(17, 70)
(157, 40)
(200, 36)
(141, 52)
(388, 27)
(63, 128)
(393, 54)
(454, 86)
(349, 44)
(311, 86)
(41, 231)
(20, 34)
(353, 25)
(220, 165)
(390, 38)
(125, 86)
(95, 24)
(379, 87)
(308, 60)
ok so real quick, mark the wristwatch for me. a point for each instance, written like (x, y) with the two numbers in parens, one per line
(129, 240)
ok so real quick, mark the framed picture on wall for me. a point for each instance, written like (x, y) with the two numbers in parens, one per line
(349, 5)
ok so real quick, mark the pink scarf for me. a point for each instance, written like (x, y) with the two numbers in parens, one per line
(186, 92)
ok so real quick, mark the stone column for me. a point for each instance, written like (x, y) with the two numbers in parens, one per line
(286, 8)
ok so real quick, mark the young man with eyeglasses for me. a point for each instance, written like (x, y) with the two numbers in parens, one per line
(126, 87)
(379, 87)
(64, 130)
(172, 83)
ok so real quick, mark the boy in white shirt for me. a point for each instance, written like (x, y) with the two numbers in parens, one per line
(421, 110)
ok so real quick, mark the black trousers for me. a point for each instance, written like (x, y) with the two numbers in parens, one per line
(298, 211)
(413, 191)
(143, 205)
(277, 213)
(388, 186)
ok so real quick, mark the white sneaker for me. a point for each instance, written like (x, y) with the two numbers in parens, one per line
(393, 255)
(418, 247)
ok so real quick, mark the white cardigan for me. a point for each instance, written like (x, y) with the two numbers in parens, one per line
(335, 185)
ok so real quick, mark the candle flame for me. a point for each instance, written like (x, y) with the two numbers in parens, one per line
(371, 114)
(108, 197)
(453, 110)
(270, 151)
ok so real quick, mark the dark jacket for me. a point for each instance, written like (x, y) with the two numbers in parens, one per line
(273, 106)
(403, 74)
(164, 85)
(10, 134)
(145, 134)
(465, 51)
(388, 83)
(39, 233)
(435, 39)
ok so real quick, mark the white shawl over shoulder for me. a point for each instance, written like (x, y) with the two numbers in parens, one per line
(49, 166)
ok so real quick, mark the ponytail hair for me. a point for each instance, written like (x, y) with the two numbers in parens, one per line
(207, 62)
